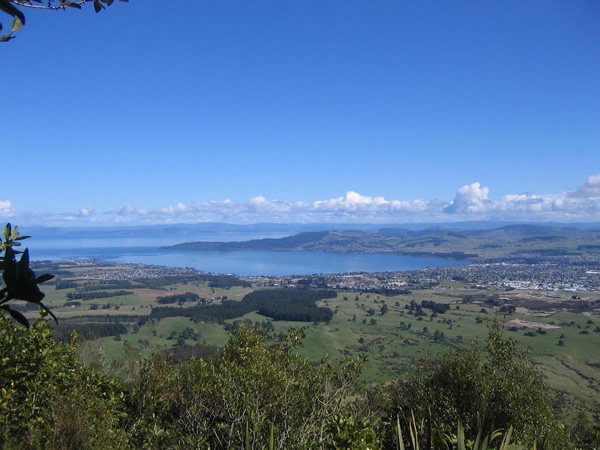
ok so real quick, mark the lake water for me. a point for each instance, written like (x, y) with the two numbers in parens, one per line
(149, 251)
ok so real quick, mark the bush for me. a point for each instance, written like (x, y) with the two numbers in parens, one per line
(497, 387)
(237, 396)
(48, 399)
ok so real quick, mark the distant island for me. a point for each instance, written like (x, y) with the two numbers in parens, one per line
(511, 242)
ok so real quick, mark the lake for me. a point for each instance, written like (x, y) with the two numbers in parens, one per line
(149, 251)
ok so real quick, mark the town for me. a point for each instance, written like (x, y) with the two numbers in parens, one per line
(550, 276)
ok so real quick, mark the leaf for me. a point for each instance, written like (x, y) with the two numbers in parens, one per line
(460, 436)
(247, 446)
(8, 8)
(24, 262)
(399, 432)
(16, 25)
(7, 231)
(10, 268)
(98, 6)
(6, 38)
(20, 280)
(45, 308)
(20, 238)
(506, 441)
(74, 5)
(17, 316)
(15, 231)
(43, 278)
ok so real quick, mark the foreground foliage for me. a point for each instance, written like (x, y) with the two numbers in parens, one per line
(48, 400)
(256, 394)
(250, 390)
(486, 391)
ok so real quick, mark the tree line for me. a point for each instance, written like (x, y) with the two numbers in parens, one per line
(279, 304)
(178, 298)
(96, 295)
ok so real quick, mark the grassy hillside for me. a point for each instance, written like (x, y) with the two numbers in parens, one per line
(512, 242)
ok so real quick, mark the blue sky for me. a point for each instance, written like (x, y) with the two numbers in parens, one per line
(303, 111)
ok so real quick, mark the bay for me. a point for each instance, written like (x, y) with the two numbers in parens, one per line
(249, 263)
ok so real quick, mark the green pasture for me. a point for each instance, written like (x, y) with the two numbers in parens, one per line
(138, 303)
(393, 343)
(157, 334)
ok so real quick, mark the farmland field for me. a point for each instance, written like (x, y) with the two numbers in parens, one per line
(396, 332)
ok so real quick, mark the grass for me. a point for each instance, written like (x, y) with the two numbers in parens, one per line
(392, 350)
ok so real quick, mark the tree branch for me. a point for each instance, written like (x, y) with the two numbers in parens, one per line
(49, 6)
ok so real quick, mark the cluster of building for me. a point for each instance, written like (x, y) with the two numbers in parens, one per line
(106, 271)
(544, 276)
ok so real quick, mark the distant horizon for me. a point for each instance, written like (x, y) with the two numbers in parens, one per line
(474, 224)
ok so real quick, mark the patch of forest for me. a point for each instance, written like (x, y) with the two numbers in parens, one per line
(179, 298)
(89, 330)
(278, 304)
(78, 295)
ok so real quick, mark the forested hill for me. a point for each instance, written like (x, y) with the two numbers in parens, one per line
(508, 242)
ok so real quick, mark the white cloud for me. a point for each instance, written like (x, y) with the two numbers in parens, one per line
(580, 204)
(471, 202)
(223, 208)
(470, 199)
(128, 210)
(6, 208)
(351, 202)
(522, 203)
(590, 189)
(176, 209)
(261, 205)
(86, 212)
(355, 203)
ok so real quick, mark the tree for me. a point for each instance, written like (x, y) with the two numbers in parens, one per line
(48, 399)
(247, 393)
(18, 18)
(485, 389)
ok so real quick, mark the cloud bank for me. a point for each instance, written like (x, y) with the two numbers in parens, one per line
(582, 203)
(471, 202)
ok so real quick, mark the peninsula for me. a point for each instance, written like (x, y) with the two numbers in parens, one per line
(512, 242)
